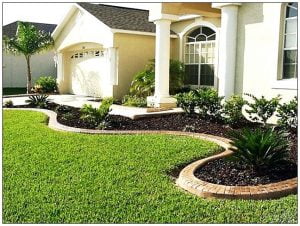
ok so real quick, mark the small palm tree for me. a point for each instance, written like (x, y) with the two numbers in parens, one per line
(28, 41)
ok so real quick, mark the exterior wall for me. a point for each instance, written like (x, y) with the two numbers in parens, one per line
(259, 50)
(14, 68)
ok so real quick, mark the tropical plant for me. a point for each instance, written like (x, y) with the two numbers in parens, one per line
(288, 115)
(232, 110)
(8, 104)
(95, 116)
(134, 101)
(260, 148)
(28, 41)
(187, 101)
(40, 101)
(262, 109)
(45, 84)
(143, 83)
(209, 104)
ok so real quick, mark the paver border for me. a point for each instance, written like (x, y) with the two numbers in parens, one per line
(187, 179)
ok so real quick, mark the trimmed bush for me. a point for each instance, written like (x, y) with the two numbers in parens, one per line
(260, 148)
(45, 84)
(187, 101)
(8, 104)
(134, 101)
(262, 109)
(232, 110)
(40, 101)
(288, 115)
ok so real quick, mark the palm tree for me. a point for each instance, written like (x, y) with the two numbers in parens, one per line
(28, 41)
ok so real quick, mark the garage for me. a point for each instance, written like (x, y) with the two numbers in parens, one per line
(87, 71)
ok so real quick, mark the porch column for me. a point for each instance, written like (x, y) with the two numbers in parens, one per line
(161, 96)
(227, 47)
(60, 71)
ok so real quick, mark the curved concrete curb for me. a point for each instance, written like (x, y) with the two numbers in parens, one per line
(186, 179)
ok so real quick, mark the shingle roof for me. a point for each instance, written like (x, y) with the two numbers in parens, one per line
(120, 17)
(11, 29)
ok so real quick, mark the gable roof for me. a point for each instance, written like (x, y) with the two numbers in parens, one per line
(11, 29)
(117, 17)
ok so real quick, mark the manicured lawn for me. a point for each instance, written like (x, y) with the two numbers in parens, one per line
(13, 91)
(59, 177)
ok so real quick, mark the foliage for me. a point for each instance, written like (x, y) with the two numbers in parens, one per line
(262, 109)
(63, 108)
(45, 84)
(96, 115)
(143, 83)
(67, 116)
(209, 104)
(232, 110)
(189, 128)
(8, 104)
(261, 148)
(288, 115)
(28, 41)
(13, 90)
(40, 101)
(134, 101)
(74, 178)
(187, 101)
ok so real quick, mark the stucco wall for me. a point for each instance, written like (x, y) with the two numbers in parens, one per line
(14, 69)
(259, 50)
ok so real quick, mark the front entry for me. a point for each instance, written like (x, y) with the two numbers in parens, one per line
(87, 67)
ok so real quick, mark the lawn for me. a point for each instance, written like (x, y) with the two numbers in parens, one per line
(14, 91)
(60, 177)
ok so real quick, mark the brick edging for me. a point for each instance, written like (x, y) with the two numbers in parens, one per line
(186, 179)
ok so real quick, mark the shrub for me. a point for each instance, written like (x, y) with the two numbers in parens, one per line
(45, 84)
(39, 101)
(187, 101)
(288, 115)
(209, 104)
(260, 148)
(262, 109)
(63, 109)
(8, 104)
(135, 101)
(95, 116)
(232, 110)
(143, 82)
(67, 116)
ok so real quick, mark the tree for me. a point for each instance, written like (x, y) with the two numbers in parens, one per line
(28, 41)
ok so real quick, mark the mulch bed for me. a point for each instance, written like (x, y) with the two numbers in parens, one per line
(231, 173)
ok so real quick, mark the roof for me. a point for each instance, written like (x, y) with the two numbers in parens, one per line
(117, 17)
(11, 29)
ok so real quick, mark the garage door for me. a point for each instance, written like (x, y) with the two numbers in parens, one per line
(88, 69)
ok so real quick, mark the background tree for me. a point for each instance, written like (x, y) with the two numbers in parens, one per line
(28, 41)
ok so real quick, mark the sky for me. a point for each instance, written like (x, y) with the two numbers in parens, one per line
(51, 13)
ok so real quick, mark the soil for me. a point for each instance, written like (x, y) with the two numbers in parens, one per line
(230, 173)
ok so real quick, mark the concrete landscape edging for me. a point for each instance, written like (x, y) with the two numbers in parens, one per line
(187, 179)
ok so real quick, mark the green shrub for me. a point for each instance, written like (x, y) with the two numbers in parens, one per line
(63, 109)
(288, 115)
(67, 116)
(40, 101)
(187, 101)
(260, 148)
(143, 83)
(8, 104)
(45, 84)
(232, 110)
(262, 109)
(95, 116)
(209, 104)
(134, 101)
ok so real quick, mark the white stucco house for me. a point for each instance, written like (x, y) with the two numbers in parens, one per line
(235, 47)
(14, 69)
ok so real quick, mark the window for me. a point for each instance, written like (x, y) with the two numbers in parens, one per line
(199, 57)
(93, 53)
(290, 66)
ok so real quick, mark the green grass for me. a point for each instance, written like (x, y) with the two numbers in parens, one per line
(14, 91)
(60, 177)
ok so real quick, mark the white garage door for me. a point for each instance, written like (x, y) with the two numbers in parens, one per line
(88, 69)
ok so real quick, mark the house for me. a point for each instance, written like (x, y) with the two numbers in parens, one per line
(14, 69)
(235, 47)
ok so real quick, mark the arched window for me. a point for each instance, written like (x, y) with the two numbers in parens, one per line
(290, 41)
(199, 57)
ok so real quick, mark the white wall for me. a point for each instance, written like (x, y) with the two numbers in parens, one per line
(14, 69)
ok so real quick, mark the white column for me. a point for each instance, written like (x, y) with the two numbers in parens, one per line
(60, 72)
(227, 47)
(161, 96)
(113, 68)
